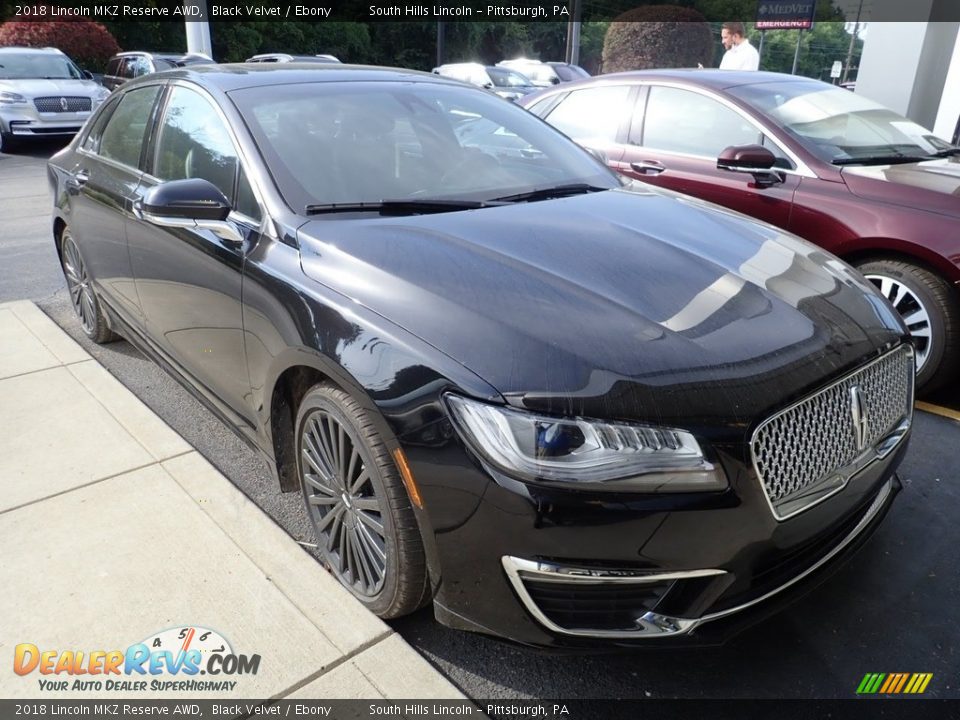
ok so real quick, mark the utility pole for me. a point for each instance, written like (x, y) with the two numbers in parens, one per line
(853, 41)
(572, 55)
(440, 33)
(198, 31)
(796, 54)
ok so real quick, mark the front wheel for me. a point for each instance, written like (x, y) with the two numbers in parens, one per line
(367, 535)
(929, 308)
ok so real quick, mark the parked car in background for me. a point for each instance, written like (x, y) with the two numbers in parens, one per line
(43, 94)
(540, 73)
(568, 72)
(504, 82)
(126, 66)
(827, 164)
(562, 410)
(285, 58)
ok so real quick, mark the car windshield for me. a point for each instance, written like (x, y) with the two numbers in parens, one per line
(31, 66)
(350, 143)
(507, 78)
(839, 126)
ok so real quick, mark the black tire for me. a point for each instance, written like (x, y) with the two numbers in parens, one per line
(937, 338)
(8, 143)
(370, 478)
(83, 297)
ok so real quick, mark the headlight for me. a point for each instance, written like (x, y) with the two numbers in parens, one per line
(590, 454)
(102, 94)
(12, 98)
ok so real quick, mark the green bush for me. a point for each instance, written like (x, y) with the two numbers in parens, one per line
(661, 36)
(88, 44)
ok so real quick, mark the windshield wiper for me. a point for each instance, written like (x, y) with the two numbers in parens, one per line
(880, 160)
(949, 152)
(400, 207)
(552, 192)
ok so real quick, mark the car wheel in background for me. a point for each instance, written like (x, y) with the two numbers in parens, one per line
(8, 142)
(366, 531)
(929, 307)
(82, 295)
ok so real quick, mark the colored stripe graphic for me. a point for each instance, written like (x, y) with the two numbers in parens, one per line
(894, 683)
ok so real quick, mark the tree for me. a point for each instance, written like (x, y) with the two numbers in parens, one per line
(820, 47)
(88, 44)
(661, 36)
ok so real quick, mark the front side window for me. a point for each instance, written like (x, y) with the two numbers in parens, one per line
(367, 142)
(687, 122)
(123, 136)
(591, 115)
(193, 142)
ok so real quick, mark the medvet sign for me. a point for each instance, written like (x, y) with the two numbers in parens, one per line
(785, 15)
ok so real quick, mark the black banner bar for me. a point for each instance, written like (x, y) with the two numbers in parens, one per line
(443, 10)
(901, 708)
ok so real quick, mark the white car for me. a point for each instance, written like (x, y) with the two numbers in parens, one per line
(43, 94)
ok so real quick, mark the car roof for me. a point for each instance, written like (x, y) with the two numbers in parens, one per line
(711, 78)
(31, 50)
(236, 76)
(163, 55)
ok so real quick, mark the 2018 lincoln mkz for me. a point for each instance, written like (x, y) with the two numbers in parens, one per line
(563, 410)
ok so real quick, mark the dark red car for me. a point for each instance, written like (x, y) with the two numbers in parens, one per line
(868, 185)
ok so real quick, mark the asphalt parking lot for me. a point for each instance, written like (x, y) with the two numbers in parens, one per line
(892, 609)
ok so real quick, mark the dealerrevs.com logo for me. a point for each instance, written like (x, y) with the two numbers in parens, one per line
(168, 661)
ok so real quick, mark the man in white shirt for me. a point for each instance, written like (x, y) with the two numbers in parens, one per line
(740, 54)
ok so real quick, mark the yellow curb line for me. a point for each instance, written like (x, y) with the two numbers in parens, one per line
(938, 410)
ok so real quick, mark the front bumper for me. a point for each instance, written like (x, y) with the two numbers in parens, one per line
(26, 121)
(681, 569)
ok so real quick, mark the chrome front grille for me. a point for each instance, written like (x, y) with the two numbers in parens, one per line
(807, 452)
(59, 103)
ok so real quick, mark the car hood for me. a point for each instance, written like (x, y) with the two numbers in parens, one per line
(932, 185)
(631, 304)
(42, 88)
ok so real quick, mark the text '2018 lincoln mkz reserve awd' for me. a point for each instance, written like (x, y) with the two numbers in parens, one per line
(563, 410)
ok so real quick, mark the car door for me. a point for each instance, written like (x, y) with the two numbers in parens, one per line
(189, 279)
(101, 189)
(674, 139)
(595, 117)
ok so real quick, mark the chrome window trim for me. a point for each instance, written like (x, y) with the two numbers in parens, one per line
(802, 169)
(655, 625)
(883, 447)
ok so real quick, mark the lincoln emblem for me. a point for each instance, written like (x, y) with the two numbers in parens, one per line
(859, 413)
(63, 104)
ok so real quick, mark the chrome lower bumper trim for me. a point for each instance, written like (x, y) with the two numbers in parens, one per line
(651, 624)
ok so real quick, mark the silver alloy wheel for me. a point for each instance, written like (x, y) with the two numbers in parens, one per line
(78, 283)
(342, 501)
(911, 309)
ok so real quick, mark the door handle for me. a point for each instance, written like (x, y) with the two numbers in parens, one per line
(77, 180)
(648, 167)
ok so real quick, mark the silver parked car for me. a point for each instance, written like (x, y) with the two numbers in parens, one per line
(42, 94)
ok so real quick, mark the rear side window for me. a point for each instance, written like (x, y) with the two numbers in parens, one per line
(92, 141)
(126, 129)
(592, 114)
(113, 66)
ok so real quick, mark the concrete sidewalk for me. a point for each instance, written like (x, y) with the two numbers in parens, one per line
(113, 530)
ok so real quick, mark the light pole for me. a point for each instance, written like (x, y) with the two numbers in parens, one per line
(853, 40)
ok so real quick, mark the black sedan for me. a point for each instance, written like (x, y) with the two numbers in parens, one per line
(563, 410)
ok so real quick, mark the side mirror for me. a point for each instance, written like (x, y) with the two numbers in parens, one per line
(754, 159)
(193, 203)
(87, 74)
